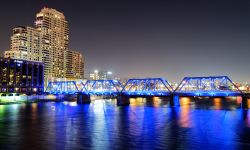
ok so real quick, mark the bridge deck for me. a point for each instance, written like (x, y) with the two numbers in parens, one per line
(208, 93)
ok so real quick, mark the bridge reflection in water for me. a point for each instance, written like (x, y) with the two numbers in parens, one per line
(214, 103)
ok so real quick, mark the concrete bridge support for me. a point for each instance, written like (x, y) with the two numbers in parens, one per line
(244, 103)
(123, 100)
(149, 98)
(83, 98)
(174, 100)
(69, 97)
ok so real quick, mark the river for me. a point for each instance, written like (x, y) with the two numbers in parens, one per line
(201, 124)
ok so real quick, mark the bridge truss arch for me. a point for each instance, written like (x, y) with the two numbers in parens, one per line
(207, 86)
(147, 87)
(103, 87)
(64, 87)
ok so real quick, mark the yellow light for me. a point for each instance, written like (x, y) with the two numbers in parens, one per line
(34, 89)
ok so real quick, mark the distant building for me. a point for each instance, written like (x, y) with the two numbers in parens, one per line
(100, 75)
(74, 65)
(21, 76)
(26, 44)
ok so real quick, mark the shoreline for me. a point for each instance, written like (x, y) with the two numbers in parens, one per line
(29, 101)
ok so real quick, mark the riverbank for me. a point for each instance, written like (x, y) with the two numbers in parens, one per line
(28, 101)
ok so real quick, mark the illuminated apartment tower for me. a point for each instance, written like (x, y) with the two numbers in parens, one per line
(26, 44)
(55, 35)
(75, 65)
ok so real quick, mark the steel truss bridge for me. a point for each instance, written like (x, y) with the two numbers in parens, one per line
(207, 86)
(213, 86)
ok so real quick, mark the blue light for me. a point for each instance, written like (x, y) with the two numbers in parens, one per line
(145, 87)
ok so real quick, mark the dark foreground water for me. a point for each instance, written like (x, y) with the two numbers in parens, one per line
(205, 124)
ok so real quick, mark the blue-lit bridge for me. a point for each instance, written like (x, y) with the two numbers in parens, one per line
(212, 86)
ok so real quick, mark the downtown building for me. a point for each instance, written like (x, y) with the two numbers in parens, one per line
(55, 39)
(48, 42)
(100, 75)
(26, 44)
(21, 76)
(74, 65)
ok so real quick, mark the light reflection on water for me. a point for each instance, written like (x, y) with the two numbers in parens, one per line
(146, 124)
(184, 119)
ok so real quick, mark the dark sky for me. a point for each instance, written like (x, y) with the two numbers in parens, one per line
(169, 39)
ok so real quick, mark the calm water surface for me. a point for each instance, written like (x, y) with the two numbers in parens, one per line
(200, 124)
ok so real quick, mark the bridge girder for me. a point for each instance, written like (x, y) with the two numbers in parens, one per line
(103, 87)
(207, 86)
(189, 86)
(64, 87)
(147, 87)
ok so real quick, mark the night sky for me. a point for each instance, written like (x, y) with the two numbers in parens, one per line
(169, 39)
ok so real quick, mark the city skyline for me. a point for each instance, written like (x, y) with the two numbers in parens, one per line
(47, 42)
(164, 39)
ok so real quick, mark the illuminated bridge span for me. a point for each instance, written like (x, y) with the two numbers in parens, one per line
(135, 87)
(213, 86)
(147, 87)
(102, 87)
(64, 87)
(91, 87)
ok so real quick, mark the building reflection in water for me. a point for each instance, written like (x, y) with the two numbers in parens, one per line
(217, 103)
(137, 101)
(185, 119)
(2, 110)
(238, 100)
(152, 101)
(248, 103)
(156, 101)
(34, 113)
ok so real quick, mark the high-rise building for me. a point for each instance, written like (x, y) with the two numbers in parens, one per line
(26, 44)
(48, 43)
(55, 36)
(74, 65)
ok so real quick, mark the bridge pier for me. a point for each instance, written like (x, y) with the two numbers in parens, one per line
(123, 100)
(83, 98)
(174, 100)
(69, 97)
(244, 103)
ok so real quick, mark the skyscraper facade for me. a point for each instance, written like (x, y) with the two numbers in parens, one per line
(55, 37)
(26, 43)
(74, 65)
